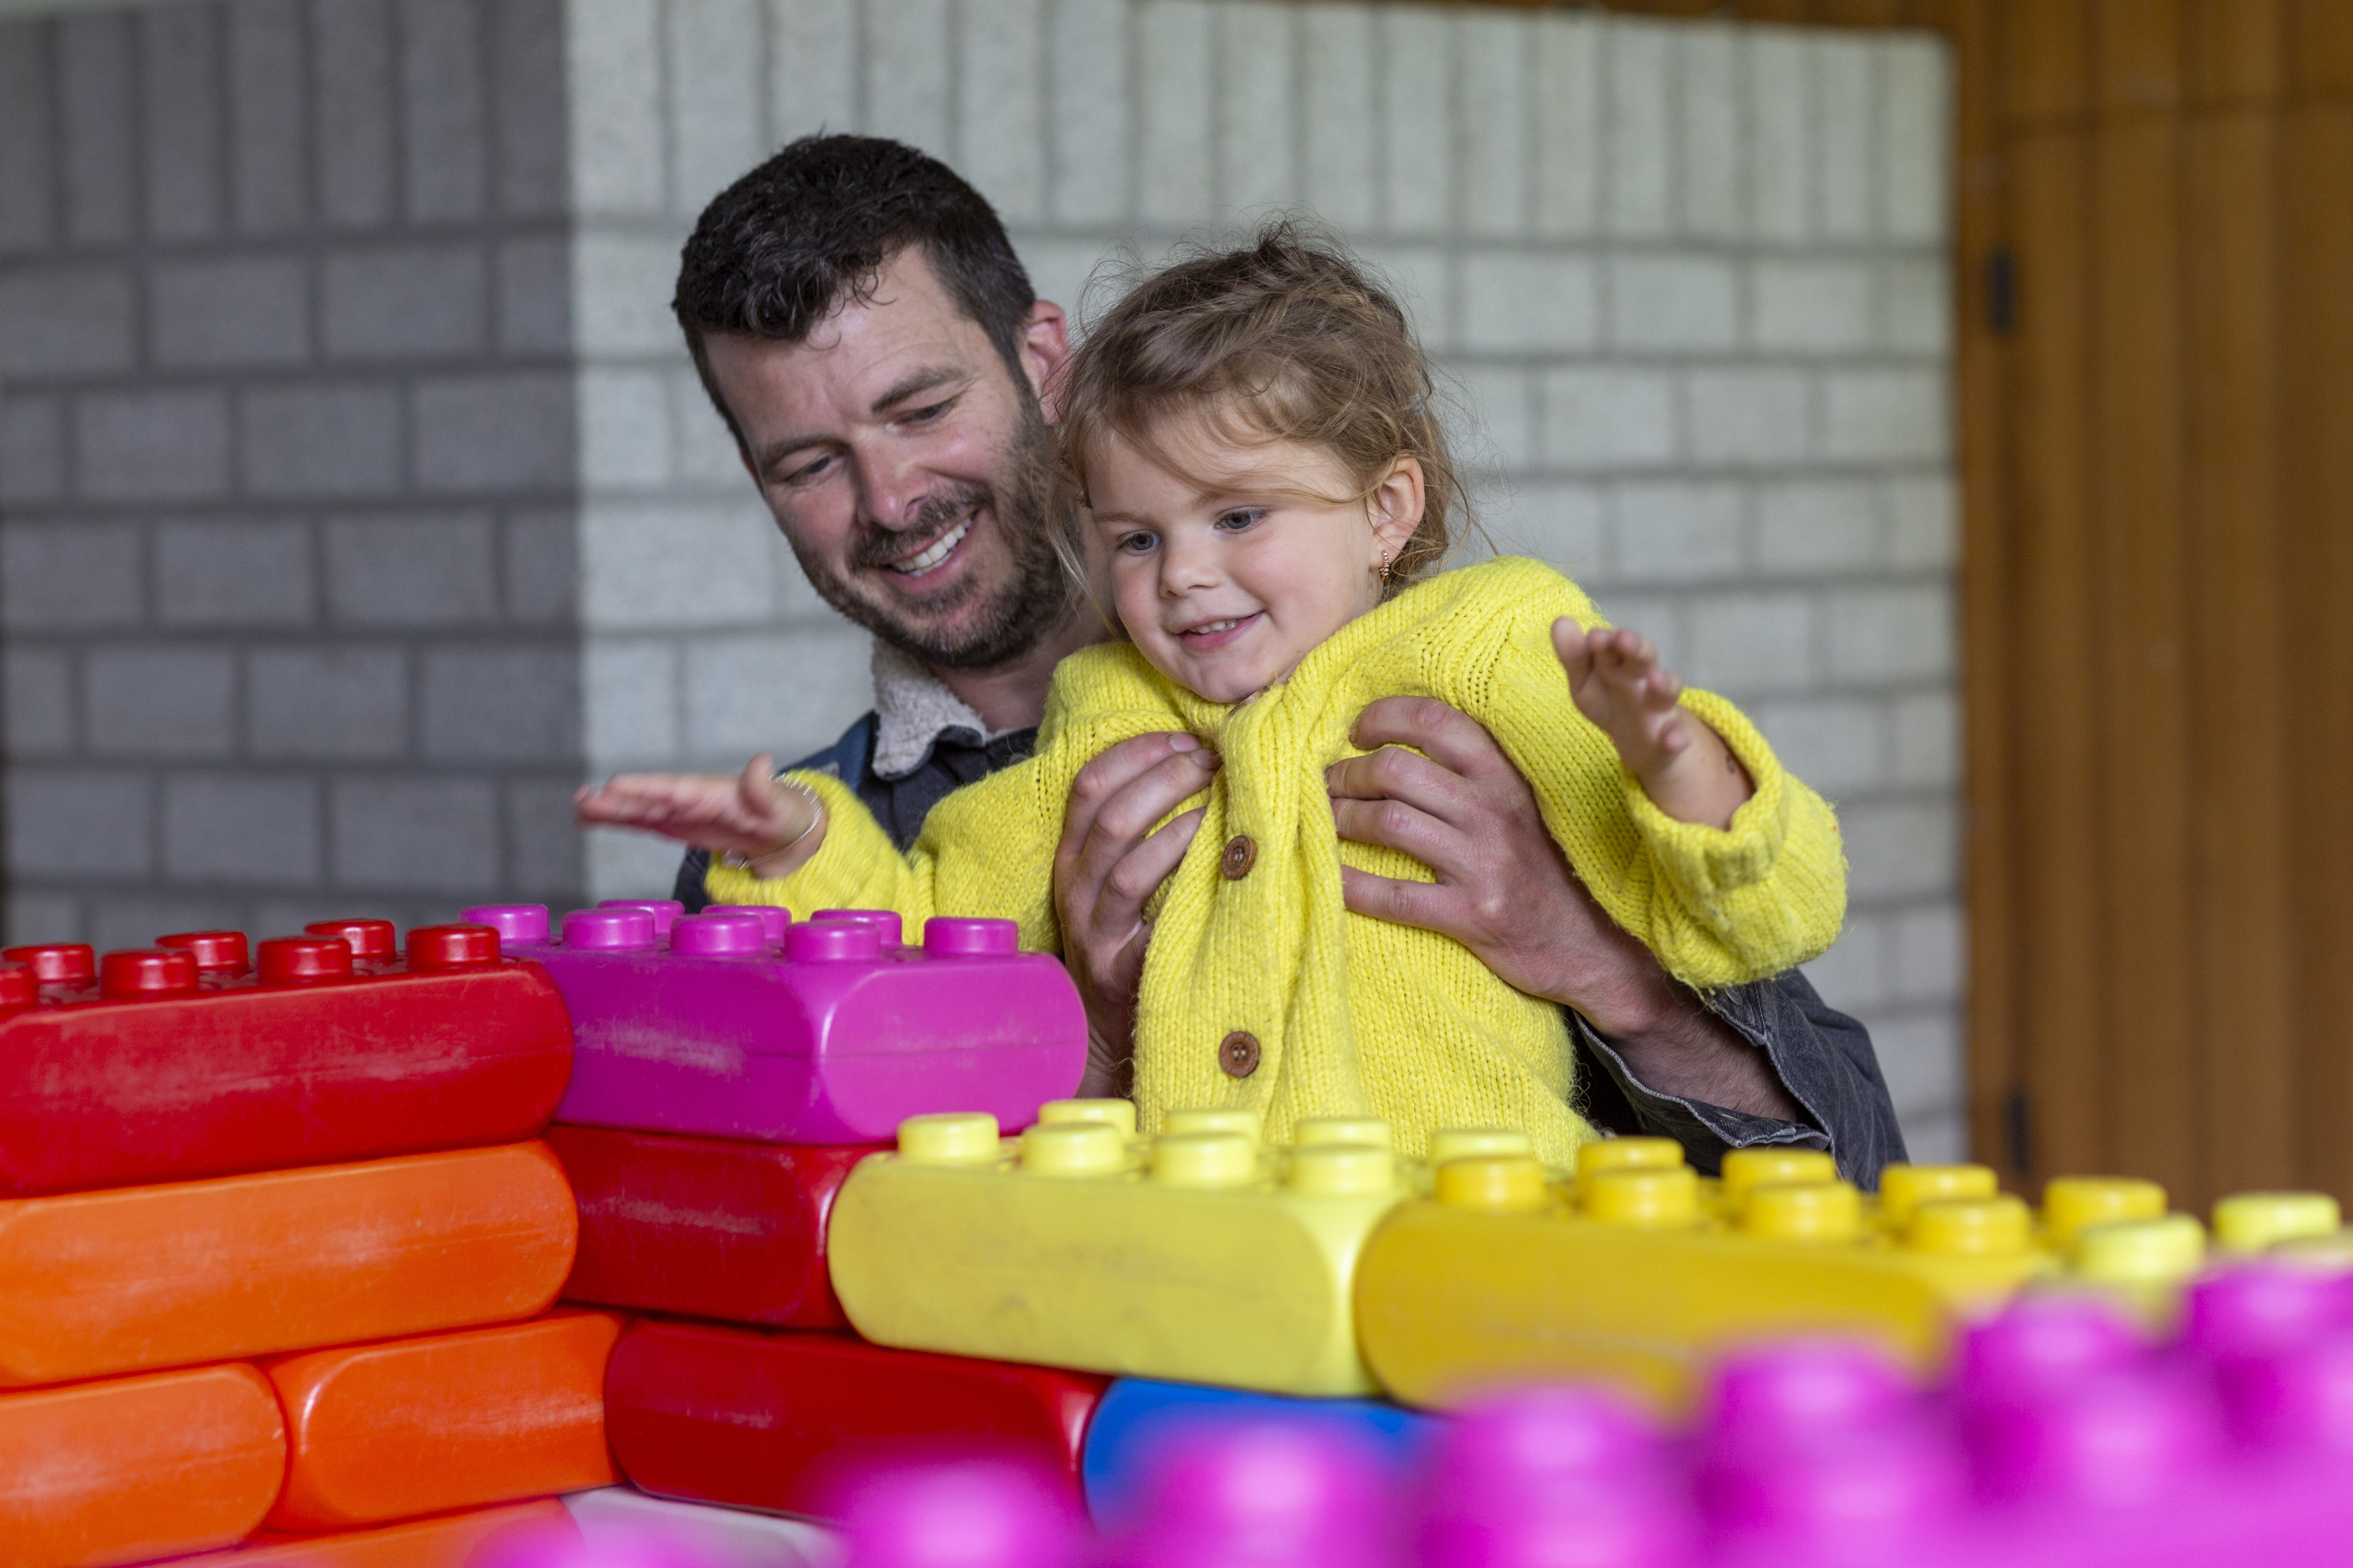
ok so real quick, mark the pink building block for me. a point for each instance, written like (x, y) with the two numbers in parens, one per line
(832, 1036)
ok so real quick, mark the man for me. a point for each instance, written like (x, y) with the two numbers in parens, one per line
(860, 322)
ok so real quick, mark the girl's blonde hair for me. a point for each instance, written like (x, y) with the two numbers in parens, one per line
(1286, 338)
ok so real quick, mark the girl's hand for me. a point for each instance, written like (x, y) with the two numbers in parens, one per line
(1616, 678)
(755, 814)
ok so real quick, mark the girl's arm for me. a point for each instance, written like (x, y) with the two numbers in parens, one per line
(771, 825)
(1684, 767)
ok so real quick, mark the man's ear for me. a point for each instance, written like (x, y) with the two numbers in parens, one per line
(1045, 354)
(1394, 506)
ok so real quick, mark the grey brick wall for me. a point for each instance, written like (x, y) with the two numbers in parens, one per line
(288, 464)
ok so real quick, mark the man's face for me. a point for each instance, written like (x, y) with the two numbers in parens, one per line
(907, 467)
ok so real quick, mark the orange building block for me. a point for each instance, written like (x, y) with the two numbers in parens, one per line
(137, 1467)
(106, 1282)
(451, 1540)
(459, 1420)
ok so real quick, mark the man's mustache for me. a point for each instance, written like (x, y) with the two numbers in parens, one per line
(933, 517)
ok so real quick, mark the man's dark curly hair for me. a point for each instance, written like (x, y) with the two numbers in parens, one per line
(781, 247)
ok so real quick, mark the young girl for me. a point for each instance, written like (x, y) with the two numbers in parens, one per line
(1258, 472)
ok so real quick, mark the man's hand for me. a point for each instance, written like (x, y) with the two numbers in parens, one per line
(1505, 892)
(1107, 869)
(753, 814)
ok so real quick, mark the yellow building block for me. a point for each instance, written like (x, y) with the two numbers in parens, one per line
(1638, 1272)
(1197, 1255)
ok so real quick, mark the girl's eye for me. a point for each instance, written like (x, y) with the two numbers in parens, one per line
(1135, 544)
(1241, 518)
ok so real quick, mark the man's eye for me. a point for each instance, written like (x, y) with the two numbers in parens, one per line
(928, 412)
(1241, 518)
(808, 471)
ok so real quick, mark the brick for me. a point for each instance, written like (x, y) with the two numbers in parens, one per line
(629, 865)
(1837, 745)
(1496, 123)
(530, 136)
(812, 67)
(1923, 524)
(539, 563)
(420, 834)
(1675, 531)
(1920, 1055)
(546, 857)
(404, 302)
(646, 566)
(250, 829)
(32, 451)
(1927, 739)
(534, 297)
(704, 454)
(714, 50)
(160, 702)
(433, 571)
(352, 106)
(136, 920)
(1567, 93)
(69, 576)
(613, 76)
(239, 574)
(1659, 616)
(1891, 634)
(1899, 850)
(1780, 136)
(630, 702)
(1672, 303)
(1498, 419)
(1087, 61)
(1751, 643)
(1336, 114)
(443, 118)
(1845, 135)
(1814, 306)
(268, 170)
(1000, 135)
(788, 691)
(623, 427)
(1822, 526)
(501, 705)
(624, 286)
(1758, 417)
(1416, 98)
(31, 916)
(508, 432)
(37, 707)
(320, 438)
(1256, 144)
(1914, 163)
(1929, 952)
(1854, 971)
(1425, 281)
(1600, 417)
(1564, 525)
(1919, 306)
(79, 823)
(1173, 39)
(179, 50)
(1528, 303)
(151, 446)
(97, 112)
(341, 702)
(1886, 414)
(1711, 174)
(58, 320)
(908, 73)
(228, 311)
(1638, 129)
(28, 141)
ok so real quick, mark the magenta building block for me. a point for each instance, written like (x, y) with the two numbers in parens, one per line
(834, 1036)
(961, 1513)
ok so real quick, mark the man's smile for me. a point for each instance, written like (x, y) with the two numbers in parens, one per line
(935, 553)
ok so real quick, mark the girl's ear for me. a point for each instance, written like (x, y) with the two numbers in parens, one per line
(1395, 507)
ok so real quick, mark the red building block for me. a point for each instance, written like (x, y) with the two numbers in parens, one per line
(703, 1226)
(181, 1061)
(761, 1419)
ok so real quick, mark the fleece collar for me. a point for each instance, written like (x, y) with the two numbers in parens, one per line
(913, 708)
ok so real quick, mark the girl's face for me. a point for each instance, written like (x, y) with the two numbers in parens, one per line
(1230, 560)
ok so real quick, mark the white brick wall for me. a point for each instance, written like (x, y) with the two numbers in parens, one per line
(1689, 278)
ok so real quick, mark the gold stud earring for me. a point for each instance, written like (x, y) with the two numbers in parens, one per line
(1385, 568)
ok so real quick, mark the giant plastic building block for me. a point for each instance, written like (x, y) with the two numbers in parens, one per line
(1502, 1277)
(137, 1467)
(137, 1278)
(711, 1535)
(467, 1540)
(1198, 1257)
(187, 1060)
(762, 1419)
(705, 1227)
(466, 1419)
(833, 1038)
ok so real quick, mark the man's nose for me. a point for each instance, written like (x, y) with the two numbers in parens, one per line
(890, 488)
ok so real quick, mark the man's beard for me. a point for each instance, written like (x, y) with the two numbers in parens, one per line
(1017, 615)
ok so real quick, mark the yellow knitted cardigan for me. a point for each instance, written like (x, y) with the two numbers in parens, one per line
(1356, 1015)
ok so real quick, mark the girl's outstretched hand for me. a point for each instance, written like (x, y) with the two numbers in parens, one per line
(1617, 680)
(753, 814)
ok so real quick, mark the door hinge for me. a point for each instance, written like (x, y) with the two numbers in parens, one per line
(2001, 290)
(2018, 1130)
